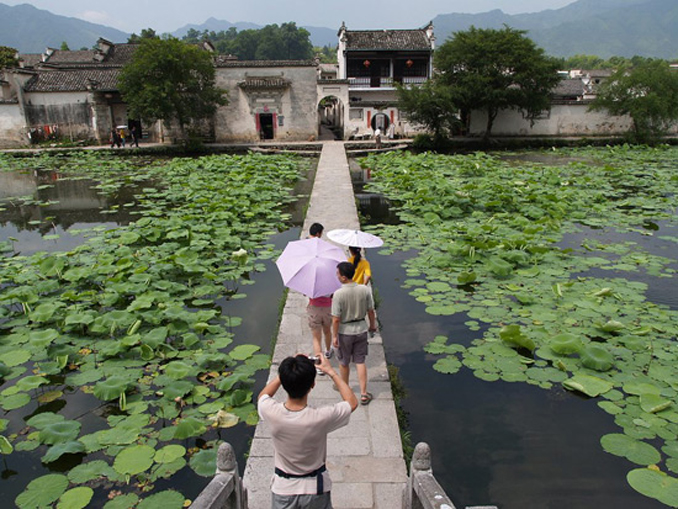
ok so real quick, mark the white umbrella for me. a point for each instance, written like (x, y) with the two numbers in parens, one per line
(355, 238)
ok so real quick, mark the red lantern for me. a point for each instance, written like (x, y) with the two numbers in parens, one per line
(409, 63)
(366, 63)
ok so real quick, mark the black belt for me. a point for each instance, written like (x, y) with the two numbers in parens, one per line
(355, 321)
(318, 473)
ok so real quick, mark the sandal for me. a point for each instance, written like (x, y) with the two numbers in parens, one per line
(365, 398)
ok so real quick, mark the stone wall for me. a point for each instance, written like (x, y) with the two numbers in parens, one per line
(12, 125)
(294, 105)
(70, 113)
(572, 119)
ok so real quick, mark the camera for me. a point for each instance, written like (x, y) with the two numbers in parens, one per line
(315, 359)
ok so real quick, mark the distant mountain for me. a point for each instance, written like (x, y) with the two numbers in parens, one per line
(320, 36)
(595, 27)
(31, 30)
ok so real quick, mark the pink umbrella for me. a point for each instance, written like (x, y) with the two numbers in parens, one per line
(309, 266)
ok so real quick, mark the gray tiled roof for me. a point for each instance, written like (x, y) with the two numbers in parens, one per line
(72, 57)
(227, 61)
(120, 54)
(78, 80)
(569, 88)
(393, 40)
(30, 59)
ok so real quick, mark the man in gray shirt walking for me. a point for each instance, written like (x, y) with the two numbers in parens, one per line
(350, 304)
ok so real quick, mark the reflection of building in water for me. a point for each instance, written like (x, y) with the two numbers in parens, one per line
(64, 202)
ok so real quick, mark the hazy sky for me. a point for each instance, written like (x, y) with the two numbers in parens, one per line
(168, 15)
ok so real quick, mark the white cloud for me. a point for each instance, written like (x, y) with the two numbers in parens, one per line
(100, 17)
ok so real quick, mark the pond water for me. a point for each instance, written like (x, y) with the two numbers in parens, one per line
(496, 443)
(64, 214)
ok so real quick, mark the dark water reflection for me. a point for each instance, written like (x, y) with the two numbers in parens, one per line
(507, 444)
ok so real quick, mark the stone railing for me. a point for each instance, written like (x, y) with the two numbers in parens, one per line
(225, 491)
(423, 491)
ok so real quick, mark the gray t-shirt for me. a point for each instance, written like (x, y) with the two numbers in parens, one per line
(300, 442)
(350, 304)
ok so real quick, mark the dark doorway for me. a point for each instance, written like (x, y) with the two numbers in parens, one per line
(266, 130)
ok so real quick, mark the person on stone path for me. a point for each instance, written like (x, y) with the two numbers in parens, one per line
(318, 311)
(363, 270)
(350, 304)
(299, 433)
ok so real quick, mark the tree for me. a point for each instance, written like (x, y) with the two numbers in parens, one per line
(647, 92)
(64, 46)
(430, 105)
(8, 57)
(146, 33)
(492, 70)
(170, 80)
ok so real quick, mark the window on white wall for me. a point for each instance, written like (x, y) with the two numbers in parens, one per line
(355, 114)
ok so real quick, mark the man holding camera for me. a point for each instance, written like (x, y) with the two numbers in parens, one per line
(300, 431)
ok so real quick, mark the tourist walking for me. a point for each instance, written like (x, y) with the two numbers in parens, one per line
(363, 270)
(135, 136)
(318, 311)
(377, 138)
(115, 138)
(299, 433)
(350, 304)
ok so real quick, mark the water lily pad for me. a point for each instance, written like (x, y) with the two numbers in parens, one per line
(654, 484)
(41, 492)
(86, 472)
(15, 357)
(242, 352)
(652, 403)
(15, 401)
(76, 498)
(636, 451)
(58, 432)
(126, 501)
(512, 335)
(566, 343)
(168, 499)
(134, 460)
(447, 365)
(111, 388)
(189, 427)
(5, 445)
(179, 369)
(169, 453)
(56, 451)
(586, 384)
(597, 357)
(224, 419)
(204, 462)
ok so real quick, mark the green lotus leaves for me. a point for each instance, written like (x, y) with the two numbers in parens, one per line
(597, 357)
(636, 451)
(5, 445)
(42, 338)
(204, 462)
(592, 386)
(566, 344)
(61, 448)
(76, 498)
(111, 388)
(179, 369)
(122, 501)
(243, 352)
(652, 403)
(134, 460)
(169, 453)
(42, 492)
(168, 499)
(86, 472)
(58, 432)
(514, 336)
(467, 277)
(14, 401)
(189, 427)
(611, 326)
(448, 365)
(654, 484)
(499, 267)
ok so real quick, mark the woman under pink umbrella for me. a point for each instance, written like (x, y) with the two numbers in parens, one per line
(318, 311)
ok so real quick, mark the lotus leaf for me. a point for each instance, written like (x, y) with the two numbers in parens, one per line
(634, 450)
(42, 338)
(204, 462)
(15, 357)
(177, 389)
(86, 472)
(76, 498)
(15, 401)
(566, 344)
(467, 277)
(134, 460)
(448, 365)
(168, 499)
(42, 491)
(512, 335)
(31, 382)
(592, 386)
(178, 370)
(56, 451)
(189, 427)
(242, 352)
(169, 453)
(500, 268)
(5, 445)
(597, 357)
(4, 370)
(654, 484)
(652, 403)
(44, 419)
(111, 388)
(612, 326)
(59, 432)
(122, 502)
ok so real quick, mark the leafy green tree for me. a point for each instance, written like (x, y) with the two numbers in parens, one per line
(432, 106)
(492, 70)
(327, 54)
(647, 92)
(64, 46)
(170, 80)
(8, 57)
(146, 33)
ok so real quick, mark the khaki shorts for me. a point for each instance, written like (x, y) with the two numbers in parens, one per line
(323, 501)
(352, 347)
(319, 317)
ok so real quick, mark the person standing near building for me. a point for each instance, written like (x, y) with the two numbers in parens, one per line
(377, 138)
(299, 433)
(318, 311)
(350, 304)
(135, 136)
(363, 270)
